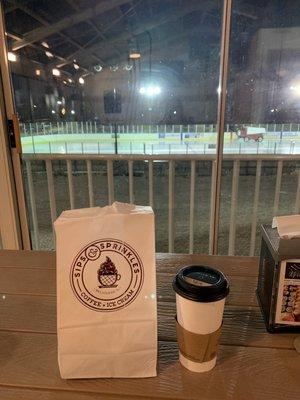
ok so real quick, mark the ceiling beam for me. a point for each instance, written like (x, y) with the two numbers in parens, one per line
(174, 42)
(45, 31)
(91, 23)
(160, 19)
(41, 20)
(247, 10)
(40, 47)
(86, 51)
(9, 9)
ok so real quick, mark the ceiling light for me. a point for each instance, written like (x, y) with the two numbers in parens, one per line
(128, 67)
(45, 44)
(114, 68)
(53, 112)
(63, 111)
(150, 90)
(55, 72)
(11, 56)
(49, 54)
(98, 68)
(38, 72)
(70, 80)
(72, 112)
(81, 80)
(76, 66)
(134, 55)
(59, 102)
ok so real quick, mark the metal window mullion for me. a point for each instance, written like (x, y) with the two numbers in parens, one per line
(16, 208)
(224, 59)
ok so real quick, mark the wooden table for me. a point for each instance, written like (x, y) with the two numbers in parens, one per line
(252, 364)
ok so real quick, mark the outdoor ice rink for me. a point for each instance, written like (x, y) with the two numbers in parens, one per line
(88, 138)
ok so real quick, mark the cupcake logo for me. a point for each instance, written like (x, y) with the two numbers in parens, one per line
(107, 275)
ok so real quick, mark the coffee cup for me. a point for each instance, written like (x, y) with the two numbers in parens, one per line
(200, 298)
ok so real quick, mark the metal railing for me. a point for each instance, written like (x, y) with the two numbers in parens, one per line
(171, 160)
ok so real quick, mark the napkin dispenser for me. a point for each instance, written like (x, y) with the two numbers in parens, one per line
(278, 289)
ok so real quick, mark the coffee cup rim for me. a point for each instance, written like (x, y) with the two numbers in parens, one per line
(204, 294)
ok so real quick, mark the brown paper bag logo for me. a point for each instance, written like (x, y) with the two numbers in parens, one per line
(107, 275)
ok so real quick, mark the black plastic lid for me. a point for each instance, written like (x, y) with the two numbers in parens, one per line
(200, 283)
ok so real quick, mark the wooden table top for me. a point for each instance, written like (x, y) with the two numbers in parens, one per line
(252, 364)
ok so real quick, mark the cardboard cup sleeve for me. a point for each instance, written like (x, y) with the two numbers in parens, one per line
(197, 347)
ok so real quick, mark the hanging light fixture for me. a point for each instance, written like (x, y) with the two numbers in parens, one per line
(127, 67)
(12, 56)
(135, 55)
(55, 72)
(98, 68)
(49, 54)
(114, 68)
(81, 80)
(134, 51)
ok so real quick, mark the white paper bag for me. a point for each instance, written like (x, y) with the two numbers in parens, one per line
(288, 226)
(106, 292)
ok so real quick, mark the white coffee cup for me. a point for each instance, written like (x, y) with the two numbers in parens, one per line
(200, 299)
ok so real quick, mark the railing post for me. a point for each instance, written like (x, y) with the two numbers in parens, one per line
(277, 187)
(297, 201)
(51, 192)
(90, 182)
(33, 205)
(212, 197)
(110, 181)
(130, 175)
(234, 197)
(192, 206)
(255, 207)
(150, 170)
(70, 184)
(171, 206)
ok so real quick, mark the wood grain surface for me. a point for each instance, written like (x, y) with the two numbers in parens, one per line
(252, 364)
(30, 360)
(43, 282)
(242, 326)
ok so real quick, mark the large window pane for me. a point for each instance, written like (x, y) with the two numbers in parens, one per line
(262, 122)
(131, 77)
